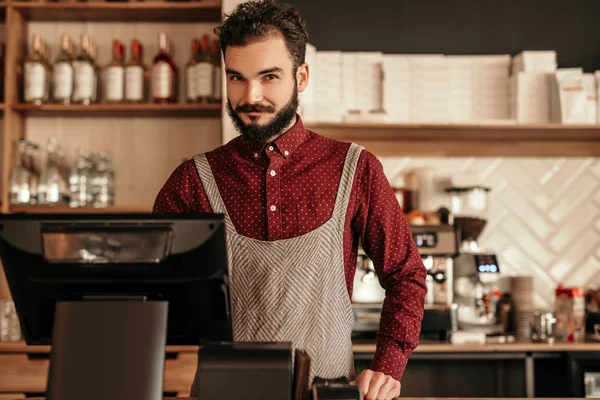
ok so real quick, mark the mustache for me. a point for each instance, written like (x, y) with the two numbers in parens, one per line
(254, 108)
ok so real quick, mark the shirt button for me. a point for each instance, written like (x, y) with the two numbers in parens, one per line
(273, 173)
(255, 155)
(273, 208)
(287, 153)
(270, 148)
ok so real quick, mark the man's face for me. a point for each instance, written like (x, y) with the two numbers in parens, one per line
(262, 88)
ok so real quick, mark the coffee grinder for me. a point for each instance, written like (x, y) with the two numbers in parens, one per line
(476, 270)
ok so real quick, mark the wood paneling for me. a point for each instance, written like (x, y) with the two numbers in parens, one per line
(145, 150)
(120, 110)
(21, 373)
(391, 140)
(124, 12)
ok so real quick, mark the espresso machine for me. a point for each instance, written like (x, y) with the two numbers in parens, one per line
(476, 270)
(438, 245)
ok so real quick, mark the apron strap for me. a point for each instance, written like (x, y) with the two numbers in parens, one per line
(347, 179)
(209, 184)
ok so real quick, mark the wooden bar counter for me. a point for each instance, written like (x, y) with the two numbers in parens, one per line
(23, 369)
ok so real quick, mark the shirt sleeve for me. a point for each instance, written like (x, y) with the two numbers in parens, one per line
(387, 240)
(183, 192)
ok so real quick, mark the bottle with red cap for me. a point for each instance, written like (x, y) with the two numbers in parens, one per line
(164, 73)
(217, 75)
(191, 80)
(135, 75)
(204, 72)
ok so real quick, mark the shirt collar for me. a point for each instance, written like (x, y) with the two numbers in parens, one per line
(285, 144)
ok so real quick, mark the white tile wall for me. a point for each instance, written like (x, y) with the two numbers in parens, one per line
(544, 215)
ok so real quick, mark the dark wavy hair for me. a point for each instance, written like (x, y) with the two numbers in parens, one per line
(259, 19)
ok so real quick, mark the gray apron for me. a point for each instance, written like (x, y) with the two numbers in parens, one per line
(293, 290)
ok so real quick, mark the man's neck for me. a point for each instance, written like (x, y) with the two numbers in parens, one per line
(287, 128)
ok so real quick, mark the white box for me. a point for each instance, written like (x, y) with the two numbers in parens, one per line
(534, 61)
(530, 98)
(597, 74)
(308, 101)
(369, 81)
(591, 94)
(349, 81)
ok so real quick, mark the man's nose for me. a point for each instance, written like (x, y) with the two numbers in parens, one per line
(253, 93)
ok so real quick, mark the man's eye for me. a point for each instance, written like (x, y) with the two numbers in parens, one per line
(235, 78)
(271, 77)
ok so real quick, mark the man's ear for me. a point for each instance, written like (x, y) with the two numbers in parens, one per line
(302, 74)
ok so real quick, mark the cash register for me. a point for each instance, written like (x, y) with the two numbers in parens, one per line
(110, 291)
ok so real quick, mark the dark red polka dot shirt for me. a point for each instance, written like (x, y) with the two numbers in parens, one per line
(287, 188)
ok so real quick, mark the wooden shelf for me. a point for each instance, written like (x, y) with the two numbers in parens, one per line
(78, 210)
(126, 110)
(448, 140)
(139, 11)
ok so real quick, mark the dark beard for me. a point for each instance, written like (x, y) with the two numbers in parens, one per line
(261, 133)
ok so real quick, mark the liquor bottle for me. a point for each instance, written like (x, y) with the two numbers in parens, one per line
(114, 76)
(35, 73)
(164, 73)
(46, 54)
(62, 76)
(204, 73)
(1, 72)
(84, 74)
(217, 73)
(191, 92)
(135, 75)
(93, 54)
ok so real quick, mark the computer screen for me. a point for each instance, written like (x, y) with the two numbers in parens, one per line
(73, 257)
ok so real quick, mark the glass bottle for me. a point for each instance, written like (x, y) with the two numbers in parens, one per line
(96, 86)
(1, 72)
(204, 72)
(52, 188)
(19, 178)
(32, 159)
(217, 94)
(34, 73)
(79, 180)
(102, 181)
(84, 74)
(191, 92)
(62, 81)
(46, 54)
(135, 75)
(114, 76)
(164, 73)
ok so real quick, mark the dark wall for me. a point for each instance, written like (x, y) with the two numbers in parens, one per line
(571, 27)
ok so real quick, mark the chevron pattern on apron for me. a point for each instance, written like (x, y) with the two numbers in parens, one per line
(293, 290)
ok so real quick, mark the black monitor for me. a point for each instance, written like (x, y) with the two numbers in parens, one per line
(181, 259)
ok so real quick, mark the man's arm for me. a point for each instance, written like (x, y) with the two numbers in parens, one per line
(387, 240)
(183, 192)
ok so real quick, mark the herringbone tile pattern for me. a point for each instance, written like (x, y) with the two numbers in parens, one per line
(544, 215)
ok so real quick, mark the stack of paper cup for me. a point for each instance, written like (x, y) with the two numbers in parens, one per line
(521, 289)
